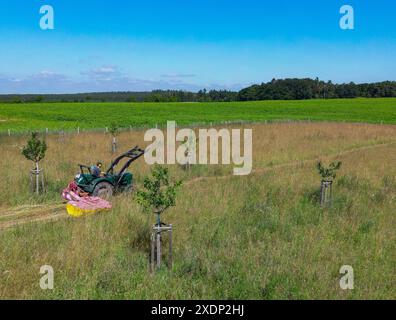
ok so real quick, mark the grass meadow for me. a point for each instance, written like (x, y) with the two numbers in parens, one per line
(70, 116)
(262, 236)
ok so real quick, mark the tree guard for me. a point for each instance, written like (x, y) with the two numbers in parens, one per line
(37, 180)
(326, 193)
(157, 233)
(114, 145)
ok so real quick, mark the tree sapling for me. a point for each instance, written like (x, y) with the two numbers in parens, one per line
(158, 196)
(114, 130)
(159, 193)
(35, 151)
(328, 174)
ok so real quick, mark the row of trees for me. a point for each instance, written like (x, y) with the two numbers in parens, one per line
(186, 96)
(282, 89)
(76, 97)
(299, 89)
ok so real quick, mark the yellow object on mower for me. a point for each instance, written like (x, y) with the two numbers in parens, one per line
(78, 212)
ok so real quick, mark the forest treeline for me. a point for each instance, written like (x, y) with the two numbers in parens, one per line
(282, 89)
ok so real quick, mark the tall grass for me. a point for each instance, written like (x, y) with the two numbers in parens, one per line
(273, 144)
(262, 236)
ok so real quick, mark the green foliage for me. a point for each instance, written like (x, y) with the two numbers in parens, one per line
(300, 89)
(159, 193)
(276, 89)
(35, 148)
(131, 99)
(114, 129)
(328, 173)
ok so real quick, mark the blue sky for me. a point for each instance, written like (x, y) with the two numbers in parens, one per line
(189, 45)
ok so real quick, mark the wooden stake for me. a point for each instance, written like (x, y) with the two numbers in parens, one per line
(158, 250)
(152, 252)
(156, 246)
(170, 247)
(37, 179)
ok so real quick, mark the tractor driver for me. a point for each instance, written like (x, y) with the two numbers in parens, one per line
(96, 171)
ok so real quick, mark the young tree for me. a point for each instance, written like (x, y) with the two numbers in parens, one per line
(114, 130)
(159, 193)
(328, 173)
(190, 148)
(35, 151)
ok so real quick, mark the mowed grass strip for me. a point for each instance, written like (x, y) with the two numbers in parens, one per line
(56, 116)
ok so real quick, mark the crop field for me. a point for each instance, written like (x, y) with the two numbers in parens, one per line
(56, 116)
(262, 236)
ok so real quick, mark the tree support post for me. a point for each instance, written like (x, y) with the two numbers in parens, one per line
(114, 145)
(326, 193)
(156, 246)
(35, 175)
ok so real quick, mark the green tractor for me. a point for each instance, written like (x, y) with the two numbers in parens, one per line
(106, 184)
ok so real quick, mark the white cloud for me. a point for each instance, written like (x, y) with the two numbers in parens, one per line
(99, 79)
(103, 73)
(178, 75)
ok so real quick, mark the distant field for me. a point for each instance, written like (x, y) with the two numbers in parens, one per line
(38, 116)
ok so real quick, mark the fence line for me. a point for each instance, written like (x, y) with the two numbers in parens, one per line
(131, 128)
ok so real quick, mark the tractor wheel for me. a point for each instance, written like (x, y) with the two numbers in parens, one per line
(103, 190)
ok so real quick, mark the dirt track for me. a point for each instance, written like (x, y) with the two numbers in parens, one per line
(298, 163)
(24, 214)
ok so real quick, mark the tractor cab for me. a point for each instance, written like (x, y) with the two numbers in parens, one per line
(104, 185)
